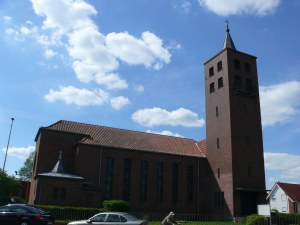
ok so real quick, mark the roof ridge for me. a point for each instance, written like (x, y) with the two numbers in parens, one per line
(55, 123)
(120, 129)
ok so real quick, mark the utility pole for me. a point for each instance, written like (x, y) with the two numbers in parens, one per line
(12, 120)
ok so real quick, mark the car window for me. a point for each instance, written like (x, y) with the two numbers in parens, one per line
(36, 210)
(113, 218)
(98, 218)
(19, 209)
(123, 220)
(130, 217)
(5, 209)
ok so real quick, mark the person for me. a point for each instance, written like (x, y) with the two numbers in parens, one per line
(169, 220)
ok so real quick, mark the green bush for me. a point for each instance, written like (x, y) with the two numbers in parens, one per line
(117, 206)
(255, 219)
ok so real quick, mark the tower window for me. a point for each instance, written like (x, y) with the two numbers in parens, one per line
(237, 64)
(175, 183)
(55, 192)
(245, 109)
(219, 173)
(190, 184)
(218, 143)
(109, 178)
(219, 66)
(249, 172)
(247, 67)
(63, 193)
(238, 81)
(220, 82)
(144, 170)
(247, 141)
(159, 196)
(212, 87)
(217, 111)
(126, 182)
(249, 84)
(211, 71)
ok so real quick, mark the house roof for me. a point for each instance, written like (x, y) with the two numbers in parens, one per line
(202, 145)
(292, 190)
(128, 139)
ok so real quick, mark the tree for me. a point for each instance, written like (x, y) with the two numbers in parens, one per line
(9, 183)
(26, 170)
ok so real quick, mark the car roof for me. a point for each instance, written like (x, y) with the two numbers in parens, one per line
(111, 212)
(16, 204)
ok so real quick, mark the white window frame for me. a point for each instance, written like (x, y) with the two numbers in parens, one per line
(274, 199)
(284, 198)
(283, 209)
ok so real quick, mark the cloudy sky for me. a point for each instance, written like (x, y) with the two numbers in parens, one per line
(138, 65)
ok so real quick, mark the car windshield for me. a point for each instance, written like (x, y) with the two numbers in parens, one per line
(36, 210)
(130, 217)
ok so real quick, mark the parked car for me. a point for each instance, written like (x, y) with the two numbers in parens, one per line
(111, 218)
(21, 214)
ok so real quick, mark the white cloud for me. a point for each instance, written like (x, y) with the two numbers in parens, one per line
(21, 153)
(9, 31)
(95, 56)
(158, 116)
(186, 6)
(278, 102)
(293, 173)
(165, 132)
(118, 102)
(238, 7)
(28, 22)
(7, 19)
(280, 161)
(80, 97)
(139, 88)
(25, 30)
(49, 53)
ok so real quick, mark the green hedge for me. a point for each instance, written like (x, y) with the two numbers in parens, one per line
(287, 218)
(255, 219)
(117, 206)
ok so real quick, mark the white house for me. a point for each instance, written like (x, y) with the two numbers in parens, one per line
(285, 197)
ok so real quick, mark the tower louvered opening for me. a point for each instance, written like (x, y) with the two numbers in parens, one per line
(211, 71)
(219, 65)
(212, 87)
(220, 82)
(237, 64)
(247, 67)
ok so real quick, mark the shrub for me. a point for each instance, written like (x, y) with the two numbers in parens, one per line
(117, 205)
(255, 219)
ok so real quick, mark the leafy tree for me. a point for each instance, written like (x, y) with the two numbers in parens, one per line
(9, 183)
(26, 170)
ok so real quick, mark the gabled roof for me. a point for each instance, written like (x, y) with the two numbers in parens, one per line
(292, 190)
(128, 139)
(228, 42)
(202, 145)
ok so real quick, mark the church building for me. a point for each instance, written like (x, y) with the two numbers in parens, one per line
(79, 164)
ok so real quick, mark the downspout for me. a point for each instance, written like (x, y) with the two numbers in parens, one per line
(198, 186)
(40, 190)
(100, 167)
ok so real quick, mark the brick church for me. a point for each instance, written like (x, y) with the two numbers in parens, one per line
(79, 164)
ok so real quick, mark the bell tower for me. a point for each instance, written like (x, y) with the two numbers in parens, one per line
(234, 144)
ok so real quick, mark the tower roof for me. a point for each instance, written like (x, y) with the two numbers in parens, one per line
(59, 168)
(228, 42)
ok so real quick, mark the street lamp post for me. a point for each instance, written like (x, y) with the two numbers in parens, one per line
(12, 120)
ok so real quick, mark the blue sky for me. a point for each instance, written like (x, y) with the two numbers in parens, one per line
(138, 65)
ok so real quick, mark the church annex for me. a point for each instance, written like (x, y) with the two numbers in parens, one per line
(80, 164)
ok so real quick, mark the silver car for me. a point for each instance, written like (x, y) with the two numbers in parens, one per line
(111, 218)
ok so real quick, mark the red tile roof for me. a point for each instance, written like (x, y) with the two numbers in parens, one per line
(202, 145)
(128, 139)
(292, 190)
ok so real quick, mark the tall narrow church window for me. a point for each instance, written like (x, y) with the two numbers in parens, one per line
(190, 184)
(212, 87)
(126, 184)
(55, 192)
(249, 84)
(144, 181)
(219, 200)
(247, 141)
(216, 199)
(89, 199)
(159, 196)
(237, 64)
(109, 178)
(249, 172)
(247, 67)
(211, 71)
(238, 82)
(63, 193)
(220, 82)
(217, 111)
(222, 199)
(218, 143)
(175, 183)
(245, 109)
(219, 66)
(219, 173)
